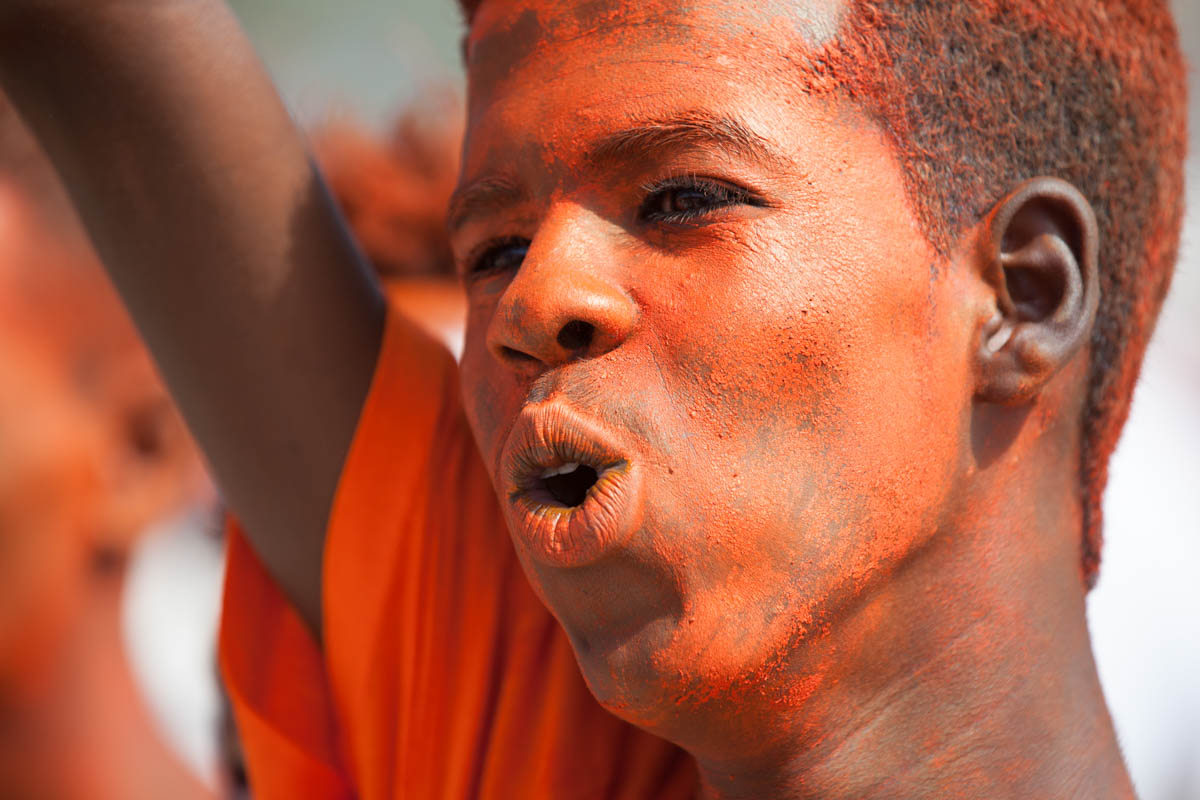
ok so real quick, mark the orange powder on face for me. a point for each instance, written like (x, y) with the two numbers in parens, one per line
(958, 88)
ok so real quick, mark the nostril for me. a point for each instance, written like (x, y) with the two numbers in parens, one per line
(576, 335)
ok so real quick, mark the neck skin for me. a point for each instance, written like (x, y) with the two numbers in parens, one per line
(968, 672)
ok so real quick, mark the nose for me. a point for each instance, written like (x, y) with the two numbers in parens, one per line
(562, 305)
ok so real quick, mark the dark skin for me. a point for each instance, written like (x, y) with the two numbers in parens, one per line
(992, 695)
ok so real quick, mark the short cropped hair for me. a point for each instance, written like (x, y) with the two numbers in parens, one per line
(978, 96)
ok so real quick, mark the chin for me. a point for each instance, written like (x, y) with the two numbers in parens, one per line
(683, 672)
(628, 676)
(657, 682)
(623, 617)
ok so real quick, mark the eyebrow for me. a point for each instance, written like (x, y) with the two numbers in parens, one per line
(681, 131)
(644, 138)
(485, 194)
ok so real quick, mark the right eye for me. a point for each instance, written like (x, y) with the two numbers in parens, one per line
(503, 256)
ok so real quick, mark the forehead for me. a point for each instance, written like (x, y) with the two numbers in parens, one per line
(507, 34)
(547, 75)
(536, 23)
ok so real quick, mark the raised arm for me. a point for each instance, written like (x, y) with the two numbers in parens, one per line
(201, 198)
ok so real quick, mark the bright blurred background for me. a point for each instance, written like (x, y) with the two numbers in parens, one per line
(359, 62)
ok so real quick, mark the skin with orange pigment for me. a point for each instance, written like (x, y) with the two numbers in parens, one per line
(850, 576)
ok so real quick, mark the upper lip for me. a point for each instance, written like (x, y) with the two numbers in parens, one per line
(551, 434)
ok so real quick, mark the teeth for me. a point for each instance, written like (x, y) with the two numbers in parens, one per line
(570, 466)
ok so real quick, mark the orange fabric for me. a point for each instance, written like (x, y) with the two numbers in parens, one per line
(443, 676)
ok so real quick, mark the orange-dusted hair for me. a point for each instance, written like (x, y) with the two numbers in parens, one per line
(978, 96)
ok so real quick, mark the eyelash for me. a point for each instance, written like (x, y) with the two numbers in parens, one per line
(723, 194)
(483, 260)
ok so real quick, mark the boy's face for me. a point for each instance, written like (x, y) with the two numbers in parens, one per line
(692, 272)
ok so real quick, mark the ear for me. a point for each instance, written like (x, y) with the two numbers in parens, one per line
(1038, 253)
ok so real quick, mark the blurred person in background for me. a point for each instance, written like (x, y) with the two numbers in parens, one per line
(93, 455)
(394, 191)
(92, 452)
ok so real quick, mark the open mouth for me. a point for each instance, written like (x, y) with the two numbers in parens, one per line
(568, 484)
(565, 485)
(573, 494)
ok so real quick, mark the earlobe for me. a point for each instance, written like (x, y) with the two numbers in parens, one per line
(1039, 255)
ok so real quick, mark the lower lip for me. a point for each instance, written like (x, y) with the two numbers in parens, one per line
(562, 536)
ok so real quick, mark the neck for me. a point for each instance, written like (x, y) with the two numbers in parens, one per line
(972, 676)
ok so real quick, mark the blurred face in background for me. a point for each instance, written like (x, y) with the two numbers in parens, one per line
(91, 450)
(46, 486)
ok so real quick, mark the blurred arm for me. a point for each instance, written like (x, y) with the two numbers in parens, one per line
(201, 199)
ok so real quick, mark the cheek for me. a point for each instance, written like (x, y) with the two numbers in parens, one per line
(824, 404)
(489, 391)
(482, 411)
(49, 504)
